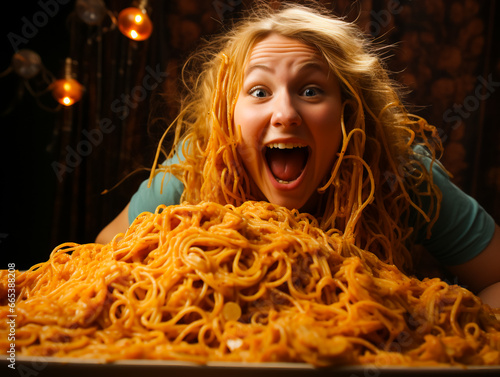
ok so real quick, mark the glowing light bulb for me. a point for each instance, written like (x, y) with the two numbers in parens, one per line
(67, 91)
(135, 23)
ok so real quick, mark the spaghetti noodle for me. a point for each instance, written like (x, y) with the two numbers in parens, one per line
(225, 277)
(374, 182)
(250, 283)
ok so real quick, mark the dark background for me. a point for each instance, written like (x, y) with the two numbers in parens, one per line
(442, 50)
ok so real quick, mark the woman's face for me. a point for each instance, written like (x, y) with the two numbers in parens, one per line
(289, 111)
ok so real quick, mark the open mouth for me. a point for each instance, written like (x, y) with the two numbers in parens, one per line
(286, 161)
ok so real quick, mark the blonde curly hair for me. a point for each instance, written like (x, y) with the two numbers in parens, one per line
(377, 176)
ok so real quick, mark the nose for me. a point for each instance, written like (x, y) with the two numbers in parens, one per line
(285, 113)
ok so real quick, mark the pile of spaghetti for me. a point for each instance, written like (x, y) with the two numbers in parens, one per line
(255, 283)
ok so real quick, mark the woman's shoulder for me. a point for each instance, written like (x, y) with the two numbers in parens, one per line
(462, 229)
(163, 188)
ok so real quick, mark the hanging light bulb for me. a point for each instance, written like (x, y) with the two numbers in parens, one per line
(135, 23)
(67, 91)
(92, 12)
(26, 63)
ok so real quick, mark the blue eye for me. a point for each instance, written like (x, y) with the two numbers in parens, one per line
(310, 92)
(258, 92)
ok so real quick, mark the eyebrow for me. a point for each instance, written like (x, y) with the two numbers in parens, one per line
(318, 64)
(258, 66)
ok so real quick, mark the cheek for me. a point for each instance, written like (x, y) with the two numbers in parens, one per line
(335, 136)
(247, 123)
(247, 145)
(246, 152)
(328, 123)
(328, 139)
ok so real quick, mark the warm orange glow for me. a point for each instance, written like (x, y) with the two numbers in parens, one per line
(67, 91)
(135, 23)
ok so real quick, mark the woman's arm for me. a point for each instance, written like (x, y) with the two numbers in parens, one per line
(482, 273)
(491, 295)
(118, 225)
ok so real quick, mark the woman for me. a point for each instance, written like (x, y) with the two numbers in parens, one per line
(296, 108)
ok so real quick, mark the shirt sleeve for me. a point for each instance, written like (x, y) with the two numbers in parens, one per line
(165, 189)
(463, 228)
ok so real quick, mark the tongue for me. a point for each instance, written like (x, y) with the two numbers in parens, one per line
(287, 164)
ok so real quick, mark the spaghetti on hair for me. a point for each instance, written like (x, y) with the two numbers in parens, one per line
(378, 177)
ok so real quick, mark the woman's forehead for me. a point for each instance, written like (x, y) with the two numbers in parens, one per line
(277, 44)
(275, 48)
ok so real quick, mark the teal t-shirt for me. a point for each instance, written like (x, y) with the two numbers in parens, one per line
(461, 232)
(463, 228)
(146, 199)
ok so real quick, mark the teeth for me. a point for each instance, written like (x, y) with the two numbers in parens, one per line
(282, 181)
(285, 145)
